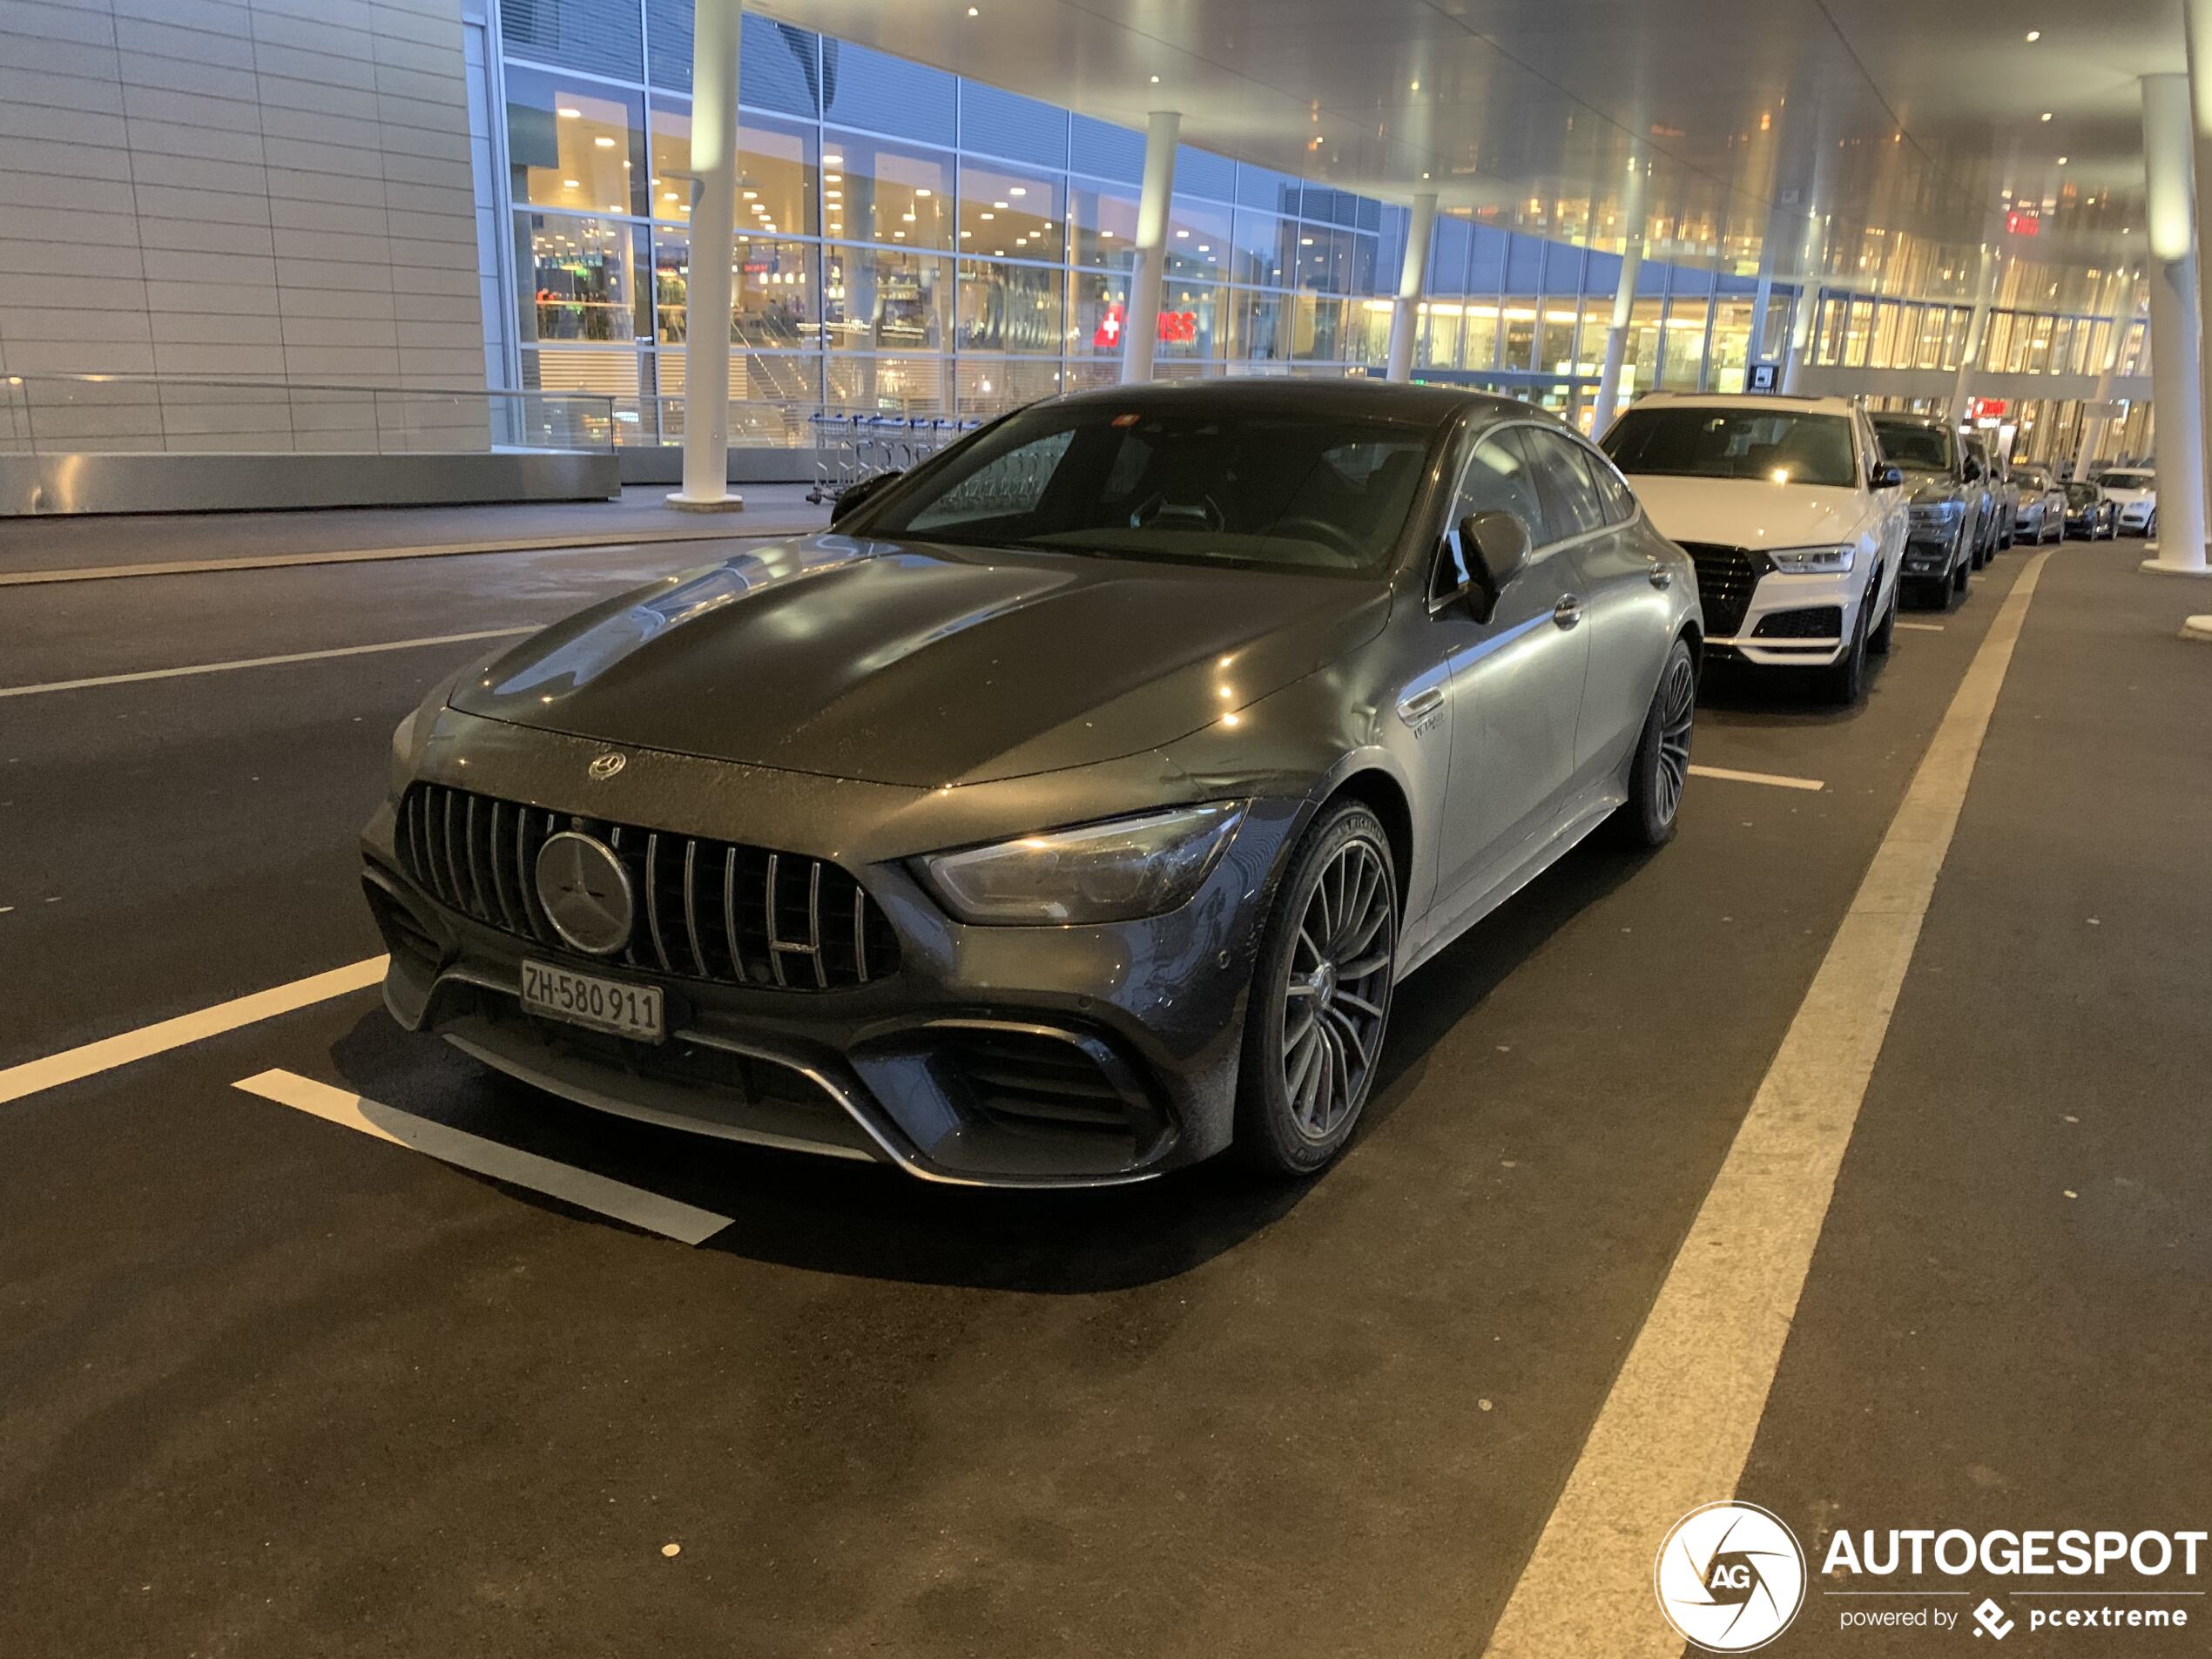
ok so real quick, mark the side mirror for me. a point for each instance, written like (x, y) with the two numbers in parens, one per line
(1973, 472)
(857, 495)
(1888, 477)
(1494, 546)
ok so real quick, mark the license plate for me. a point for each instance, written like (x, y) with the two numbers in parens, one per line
(586, 999)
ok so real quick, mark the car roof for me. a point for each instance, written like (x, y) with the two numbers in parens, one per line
(1745, 400)
(1897, 417)
(1343, 397)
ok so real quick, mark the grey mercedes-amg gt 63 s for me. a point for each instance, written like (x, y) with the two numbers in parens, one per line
(1069, 810)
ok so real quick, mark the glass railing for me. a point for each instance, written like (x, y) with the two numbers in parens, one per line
(152, 414)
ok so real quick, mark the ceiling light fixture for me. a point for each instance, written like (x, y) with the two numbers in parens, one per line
(2034, 34)
(568, 114)
(2046, 115)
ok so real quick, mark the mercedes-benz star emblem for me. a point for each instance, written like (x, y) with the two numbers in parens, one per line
(605, 767)
(585, 891)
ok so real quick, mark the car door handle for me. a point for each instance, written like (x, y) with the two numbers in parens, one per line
(1421, 704)
(1660, 576)
(1568, 611)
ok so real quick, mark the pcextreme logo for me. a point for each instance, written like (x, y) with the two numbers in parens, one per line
(1730, 1577)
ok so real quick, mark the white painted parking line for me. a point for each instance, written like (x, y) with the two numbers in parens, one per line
(594, 541)
(266, 662)
(1922, 627)
(1774, 779)
(120, 1050)
(1677, 1427)
(649, 1210)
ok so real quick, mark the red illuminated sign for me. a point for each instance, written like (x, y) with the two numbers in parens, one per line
(2024, 224)
(1176, 329)
(1989, 408)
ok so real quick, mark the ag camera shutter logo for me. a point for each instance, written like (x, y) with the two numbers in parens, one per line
(1730, 1577)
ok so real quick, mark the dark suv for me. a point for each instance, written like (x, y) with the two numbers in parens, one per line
(1949, 512)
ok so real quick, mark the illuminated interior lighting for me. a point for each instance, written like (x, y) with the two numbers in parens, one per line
(604, 142)
(568, 114)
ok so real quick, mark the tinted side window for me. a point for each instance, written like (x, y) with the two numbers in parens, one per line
(1570, 499)
(1620, 502)
(1499, 479)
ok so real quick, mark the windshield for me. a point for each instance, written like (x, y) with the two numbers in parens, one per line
(1276, 489)
(2030, 478)
(1779, 446)
(2128, 480)
(2082, 495)
(1928, 447)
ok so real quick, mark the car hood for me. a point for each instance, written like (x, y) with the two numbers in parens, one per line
(1746, 512)
(2127, 497)
(916, 663)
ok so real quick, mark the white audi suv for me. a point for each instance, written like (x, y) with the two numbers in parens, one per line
(1796, 522)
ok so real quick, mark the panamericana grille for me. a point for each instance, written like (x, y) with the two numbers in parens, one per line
(1726, 576)
(706, 910)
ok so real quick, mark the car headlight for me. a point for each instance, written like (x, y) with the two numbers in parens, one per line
(1813, 561)
(1935, 512)
(1117, 871)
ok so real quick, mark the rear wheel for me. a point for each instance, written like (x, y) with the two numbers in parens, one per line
(1660, 768)
(1320, 1001)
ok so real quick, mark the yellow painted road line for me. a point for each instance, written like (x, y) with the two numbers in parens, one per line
(1677, 1427)
(1923, 627)
(1773, 779)
(265, 662)
(618, 1199)
(378, 554)
(109, 1052)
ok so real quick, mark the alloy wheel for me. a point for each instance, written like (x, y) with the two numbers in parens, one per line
(1678, 709)
(1338, 999)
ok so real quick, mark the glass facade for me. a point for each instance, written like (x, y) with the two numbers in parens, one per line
(912, 243)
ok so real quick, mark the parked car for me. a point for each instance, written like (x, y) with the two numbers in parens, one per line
(1987, 496)
(1069, 810)
(2091, 513)
(1945, 527)
(1795, 522)
(2133, 490)
(2007, 490)
(2042, 505)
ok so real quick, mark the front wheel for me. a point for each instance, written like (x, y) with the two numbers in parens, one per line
(1661, 767)
(1879, 641)
(1844, 681)
(1320, 1001)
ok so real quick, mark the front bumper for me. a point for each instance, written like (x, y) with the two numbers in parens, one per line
(995, 1057)
(1796, 621)
(2136, 515)
(1931, 549)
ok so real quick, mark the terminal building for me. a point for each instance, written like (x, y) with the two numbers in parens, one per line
(448, 196)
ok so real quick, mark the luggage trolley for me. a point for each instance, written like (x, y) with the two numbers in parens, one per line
(851, 448)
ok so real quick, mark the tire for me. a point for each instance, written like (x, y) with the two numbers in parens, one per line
(1660, 768)
(1301, 1089)
(1844, 681)
(1962, 575)
(1878, 642)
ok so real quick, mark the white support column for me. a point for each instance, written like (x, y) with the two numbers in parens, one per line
(2196, 28)
(706, 297)
(1813, 256)
(1624, 297)
(1985, 275)
(1141, 322)
(1412, 283)
(2175, 386)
